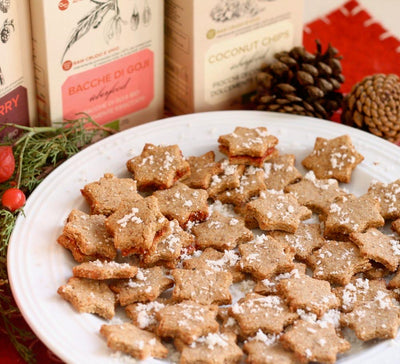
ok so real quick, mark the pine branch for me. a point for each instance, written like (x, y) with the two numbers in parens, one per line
(37, 151)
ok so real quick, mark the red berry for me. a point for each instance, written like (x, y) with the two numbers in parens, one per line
(13, 199)
(7, 163)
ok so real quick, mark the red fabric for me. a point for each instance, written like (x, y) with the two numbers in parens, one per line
(366, 50)
(366, 46)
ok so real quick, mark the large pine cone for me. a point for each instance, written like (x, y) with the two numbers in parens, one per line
(299, 82)
(374, 105)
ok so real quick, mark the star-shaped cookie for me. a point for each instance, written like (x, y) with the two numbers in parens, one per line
(183, 203)
(280, 172)
(333, 158)
(147, 285)
(388, 195)
(202, 285)
(250, 146)
(267, 313)
(105, 195)
(137, 225)
(201, 170)
(316, 194)
(133, 341)
(210, 349)
(308, 294)
(251, 185)
(221, 232)
(277, 211)
(158, 167)
(187, 320)
(379, 247)
(312, 341)
(212, 259)
(265, 256)
(350, 214)
(338, 261)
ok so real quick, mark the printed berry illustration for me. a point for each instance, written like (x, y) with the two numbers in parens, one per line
(4, 5)
(6, 30)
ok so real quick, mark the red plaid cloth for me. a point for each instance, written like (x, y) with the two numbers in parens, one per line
(367, 48)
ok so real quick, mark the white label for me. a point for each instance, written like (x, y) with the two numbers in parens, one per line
(231, 65)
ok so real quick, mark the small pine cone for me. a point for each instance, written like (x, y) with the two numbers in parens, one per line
(374, 105)
(302, 83)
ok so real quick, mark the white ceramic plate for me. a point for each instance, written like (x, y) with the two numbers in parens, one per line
(37, 265)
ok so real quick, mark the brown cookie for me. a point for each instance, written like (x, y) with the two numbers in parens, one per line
(277, 211)
(280, 172)
(228, 323)
(349, 214)
(265, 349)
(379, 247)
(187, 320)
(338, 261)
(104, 270)
(201, 170)
(71, 245)
(105, 195)
(143, 315)
(265, 257)
(304, 241)
(251, 184)
(388, 195)
(147, 285)
(158, 167)
(269, 286)
(211, 349)
(137, 226)
(360, 291)
(379, 318)
(90, 235)
(183, 204)
(169, 246)
(316, 194)
(248, 146)
(314, 342)
(203, 286)
(308, 294)
(226, 261)
(228, 179)
(267, 313)
(131, 340)
(91, 296)
(334, 158)
(221, 232)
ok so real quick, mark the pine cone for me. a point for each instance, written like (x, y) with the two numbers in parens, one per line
(301, 83)
(374, 105)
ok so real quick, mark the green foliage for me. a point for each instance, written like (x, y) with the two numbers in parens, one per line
(37, 151)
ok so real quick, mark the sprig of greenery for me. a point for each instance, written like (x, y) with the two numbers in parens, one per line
(37, 151)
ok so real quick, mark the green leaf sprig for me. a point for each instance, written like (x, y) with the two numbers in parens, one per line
(37, 151)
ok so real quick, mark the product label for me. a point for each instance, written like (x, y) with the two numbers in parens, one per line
(111, 91)
(14, 108)
(231, 65)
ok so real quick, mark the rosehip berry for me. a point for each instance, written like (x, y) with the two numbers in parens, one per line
(13, 199)
(7, 163)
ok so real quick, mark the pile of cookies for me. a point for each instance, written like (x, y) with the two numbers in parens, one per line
(173, 242)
